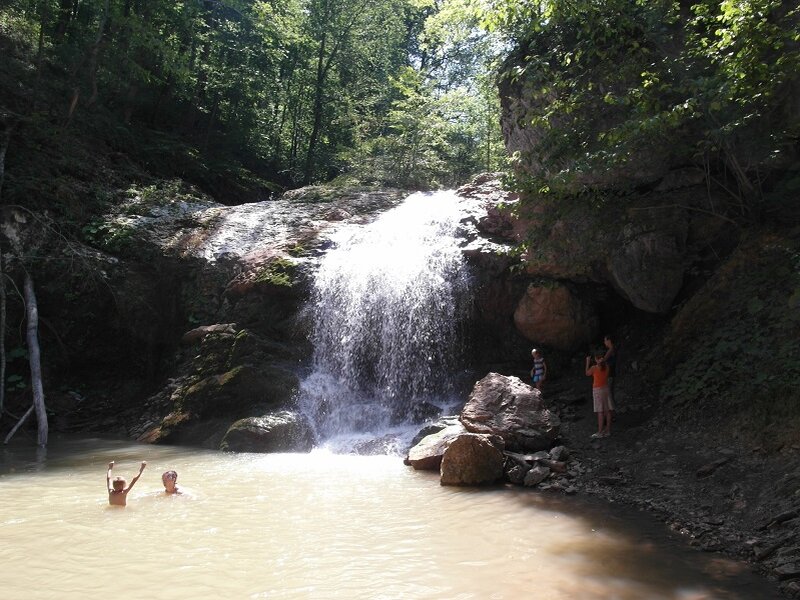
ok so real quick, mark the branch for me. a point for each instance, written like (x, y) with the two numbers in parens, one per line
(19, 423)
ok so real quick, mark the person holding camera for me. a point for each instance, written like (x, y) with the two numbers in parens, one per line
(601, 396)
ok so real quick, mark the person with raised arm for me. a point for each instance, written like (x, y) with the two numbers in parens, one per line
(117, 488)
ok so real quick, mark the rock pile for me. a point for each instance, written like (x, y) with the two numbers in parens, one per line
(502, 419)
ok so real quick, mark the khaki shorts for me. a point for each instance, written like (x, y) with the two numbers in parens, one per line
(602, 399)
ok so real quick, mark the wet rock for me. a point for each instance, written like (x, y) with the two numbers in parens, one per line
(387, 444)
(781, 518)
(763, 551)
(282, 431)
(427, 454)
(511, 409)
(560, 453)
(472, 459)
(788, 571)
(434, 427)
(419, 412)
(198, 333)
(516, 474)
(536, 475)
(791, 589)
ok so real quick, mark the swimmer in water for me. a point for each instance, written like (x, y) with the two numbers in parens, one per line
(117, 489)
(169, 479)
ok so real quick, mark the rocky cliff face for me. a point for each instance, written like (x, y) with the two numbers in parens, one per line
(578, 271)
(192, 303)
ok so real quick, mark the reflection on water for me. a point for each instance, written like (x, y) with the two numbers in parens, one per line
(320, 526)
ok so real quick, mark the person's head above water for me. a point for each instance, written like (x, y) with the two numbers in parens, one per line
(119, 484)
(169, 479)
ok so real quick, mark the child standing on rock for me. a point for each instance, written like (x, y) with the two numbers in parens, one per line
(603, 405)
(539, 370)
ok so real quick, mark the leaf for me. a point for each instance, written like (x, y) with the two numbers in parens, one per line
(755, 306)
(18, 352)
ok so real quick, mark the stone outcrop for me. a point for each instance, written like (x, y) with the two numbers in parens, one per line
(555, 316)
(240, 275)
(472, 459)
(230, 373)
(574, 257)
(281, 431)
(507, 407)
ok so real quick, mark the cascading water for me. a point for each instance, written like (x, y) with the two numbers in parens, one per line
(388, 309)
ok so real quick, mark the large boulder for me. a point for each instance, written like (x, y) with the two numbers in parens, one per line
(281, 431)
(552, 315)
(507, 407)
(472, 459)
(648, 268)
(428, 453)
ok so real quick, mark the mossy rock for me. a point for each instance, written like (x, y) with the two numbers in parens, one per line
(280, 272)
(282, 431)
(238, 390)
(181, 429)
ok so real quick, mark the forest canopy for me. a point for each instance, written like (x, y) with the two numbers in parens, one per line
(707, 84)
(245, 98)
(282, 92)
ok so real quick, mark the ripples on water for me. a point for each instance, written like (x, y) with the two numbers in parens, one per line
(320, 526)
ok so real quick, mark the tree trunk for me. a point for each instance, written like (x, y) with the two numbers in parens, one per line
(34, 358)
(39, 55)
(323, 66)
(66, 10)
(6, 127)
(93, 59)
(4, 141)
(319, 89)
(2, 338)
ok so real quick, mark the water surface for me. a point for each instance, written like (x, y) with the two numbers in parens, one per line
(322, 526)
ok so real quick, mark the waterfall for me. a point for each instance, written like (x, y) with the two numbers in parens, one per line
(388, 311)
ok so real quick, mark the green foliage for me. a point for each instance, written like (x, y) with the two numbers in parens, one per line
(443, 122)
(144, 200)
(710, 85)
(279, 272)
(733, 348)
(16, 383)
(243, 99)
(112, 236)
